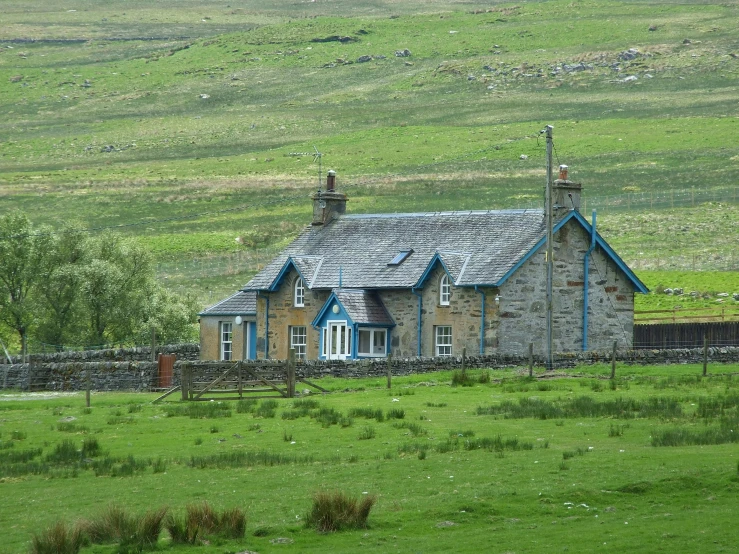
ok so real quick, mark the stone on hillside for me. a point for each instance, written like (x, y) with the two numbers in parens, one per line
(523, 157)
(736, 296)
(628, 55)
(402, 53)
(722, 294)
(204, 96)
(16, 78)
(629, 79)
(365, 58)
(668, 291)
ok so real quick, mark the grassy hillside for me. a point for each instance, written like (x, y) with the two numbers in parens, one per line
(186, 138)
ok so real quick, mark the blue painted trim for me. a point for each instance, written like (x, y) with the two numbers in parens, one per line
(420, 321)
(266, 324)
(317, 320)
(482, 321)
(252, 354)
(573, 214)
(586, 288)
(429, 268)
(277, 281)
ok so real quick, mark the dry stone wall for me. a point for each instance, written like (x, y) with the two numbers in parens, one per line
(142, 376)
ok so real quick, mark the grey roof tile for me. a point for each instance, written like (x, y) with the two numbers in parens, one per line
(480, 247)
(241, 303)
(364, 306)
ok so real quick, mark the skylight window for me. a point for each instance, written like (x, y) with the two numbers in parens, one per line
(400, 257)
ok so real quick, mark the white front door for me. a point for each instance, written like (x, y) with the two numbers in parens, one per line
(339, 341)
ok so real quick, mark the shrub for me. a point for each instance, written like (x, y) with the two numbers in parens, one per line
(336, 511)
(58, 539)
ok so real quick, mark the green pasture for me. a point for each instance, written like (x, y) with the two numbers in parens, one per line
(565, 462)
(191, 124)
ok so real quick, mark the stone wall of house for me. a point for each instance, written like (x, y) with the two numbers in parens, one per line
(523, 299)
(210, 336)
(283, 314)
(142, 376)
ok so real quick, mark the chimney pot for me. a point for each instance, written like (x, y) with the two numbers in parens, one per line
(331, 180)
(563, 169)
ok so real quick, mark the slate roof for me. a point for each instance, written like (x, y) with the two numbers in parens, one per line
(241, 303)
(363, 307)
(477, 247)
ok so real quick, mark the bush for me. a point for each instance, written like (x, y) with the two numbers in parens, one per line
(57, 539)
(336, 511)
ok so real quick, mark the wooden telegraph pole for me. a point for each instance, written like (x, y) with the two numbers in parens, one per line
(550, 247)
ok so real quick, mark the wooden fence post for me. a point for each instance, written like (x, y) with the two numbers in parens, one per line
(390, 370)
(241, 386)
(291, 373)
(613, 360)
(87, 388)
(705, 354)
(464, 364)
(153, 344)
(184, 380)
(531, 359)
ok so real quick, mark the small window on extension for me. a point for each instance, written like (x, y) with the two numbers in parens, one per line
(400, 257)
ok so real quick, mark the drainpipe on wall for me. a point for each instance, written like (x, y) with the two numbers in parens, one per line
(420, 323)
(266, 325)
(586, 286)
(482, 321)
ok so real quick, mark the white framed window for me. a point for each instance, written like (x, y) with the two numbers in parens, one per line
(226, 341)
(372, 342)
(299, 341)
(337, 340)
(445, 290)
(443, 340)
(299, 296)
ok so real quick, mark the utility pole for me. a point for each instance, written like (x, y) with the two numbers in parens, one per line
(550, 246)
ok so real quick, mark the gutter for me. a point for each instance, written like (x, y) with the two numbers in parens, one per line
(586, 286)
(420, 322)
(266, 325)
(482, 321)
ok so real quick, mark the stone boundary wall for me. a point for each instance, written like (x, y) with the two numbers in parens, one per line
(143, 376)
(189, 351)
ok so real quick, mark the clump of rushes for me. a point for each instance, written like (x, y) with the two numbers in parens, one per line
(58, 539)
(202, 520)
(337, 511)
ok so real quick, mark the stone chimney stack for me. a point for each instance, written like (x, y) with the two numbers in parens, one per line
(328, 204)
(565, 193)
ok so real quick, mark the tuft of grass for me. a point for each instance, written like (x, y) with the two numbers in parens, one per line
(70, 427)
(201, 520)
(368, 432)
(58, 539)
(337, 511)
(287, 437)
(267, 409)
(435, 404)
(199, 410)
(159, 465)
(368, 413)
(91, 448)
(18, 435)
(64, 453)
(414, 429)
(246, 406)
(396, 413)
(198, 441)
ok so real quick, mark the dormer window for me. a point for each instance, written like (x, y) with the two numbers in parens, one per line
(299, 296)
(445, 290)
(400, 257)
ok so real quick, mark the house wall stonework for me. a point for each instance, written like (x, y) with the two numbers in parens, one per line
(210, 336)
(523, 300)
(283, 314)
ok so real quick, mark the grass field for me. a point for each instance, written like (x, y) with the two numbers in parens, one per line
(178, 122)
(573, 462)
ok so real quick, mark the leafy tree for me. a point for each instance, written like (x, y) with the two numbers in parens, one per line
(58, 286)
(20, 255)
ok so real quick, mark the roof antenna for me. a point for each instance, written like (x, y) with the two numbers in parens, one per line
(316, 157)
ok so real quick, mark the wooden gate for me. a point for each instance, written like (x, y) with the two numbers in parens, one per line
(165, 370)
(237, 380)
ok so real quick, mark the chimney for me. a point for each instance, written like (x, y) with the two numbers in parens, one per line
(328, 204)
(565, 193)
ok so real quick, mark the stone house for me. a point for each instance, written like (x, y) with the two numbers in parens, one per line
(228, 330)
(432, 284)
